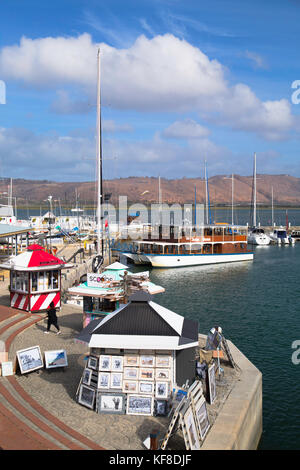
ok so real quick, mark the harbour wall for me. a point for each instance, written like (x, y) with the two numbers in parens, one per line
(239, 424)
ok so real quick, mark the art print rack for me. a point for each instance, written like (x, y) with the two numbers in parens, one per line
(228, 353)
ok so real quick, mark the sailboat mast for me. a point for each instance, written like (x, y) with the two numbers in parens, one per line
(254, 191)
(99, 163)
(232, 200)
(206, 195)
(272, 209)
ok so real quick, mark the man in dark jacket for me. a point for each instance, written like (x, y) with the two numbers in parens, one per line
(52, 319)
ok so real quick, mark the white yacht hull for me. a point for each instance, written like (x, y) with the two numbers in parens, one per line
(259, 240)
(174, 261)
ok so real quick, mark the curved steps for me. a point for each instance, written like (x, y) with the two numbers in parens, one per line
(24, 423)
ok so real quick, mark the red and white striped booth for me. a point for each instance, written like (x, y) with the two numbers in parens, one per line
(35, 279)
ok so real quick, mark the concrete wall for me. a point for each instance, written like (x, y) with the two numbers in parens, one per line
(239, 423)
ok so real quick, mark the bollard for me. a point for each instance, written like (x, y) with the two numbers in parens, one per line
(154, 440)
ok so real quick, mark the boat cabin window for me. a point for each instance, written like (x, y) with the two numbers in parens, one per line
(207, 249)
(207, 232)
(196, 248)
(157, 249)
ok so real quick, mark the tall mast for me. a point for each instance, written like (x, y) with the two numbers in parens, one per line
(232, 201)
(206, 195)
(99, 162)
(254, 193)
(272, 208)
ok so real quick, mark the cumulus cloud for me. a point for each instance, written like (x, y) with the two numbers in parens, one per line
(161, 74)
(187, 129)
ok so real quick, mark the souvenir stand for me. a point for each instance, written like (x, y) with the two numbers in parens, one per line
(104, 292)
(35, 279)
(137, 355)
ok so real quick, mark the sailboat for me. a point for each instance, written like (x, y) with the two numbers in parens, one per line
(256, 235)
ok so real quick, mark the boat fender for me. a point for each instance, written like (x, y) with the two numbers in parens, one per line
(96, 263)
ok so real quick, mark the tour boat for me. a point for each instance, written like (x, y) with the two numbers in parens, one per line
(212, 244)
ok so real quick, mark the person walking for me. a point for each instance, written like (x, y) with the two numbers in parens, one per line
(52, 319)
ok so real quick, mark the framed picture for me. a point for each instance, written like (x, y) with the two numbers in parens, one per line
(146, 387)
(162, 374)
(131, 373)
(162, 390)
(86, 377)
(7, 368)
(92, 363)
(179, 394)
(30, 359)
(86, 396)
(160, 407)
(116, 380)
(202, 417)
(56, 359)
(162, 361)
(105, 363)
(117, 363)
(103, 380)
(147, 361)
(140, 405)
(211, 378)
(114, 403)
(131, 360)
(130, 386)
(191, 429)
(146, 374)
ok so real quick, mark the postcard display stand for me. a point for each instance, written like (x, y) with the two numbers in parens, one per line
(191, 415)
(127, 382)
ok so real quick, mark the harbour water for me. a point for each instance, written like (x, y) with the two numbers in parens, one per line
(257, 305)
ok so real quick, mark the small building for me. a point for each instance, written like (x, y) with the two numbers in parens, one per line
(35, 279)
(12, 238)
(104, 292)
(154, 348)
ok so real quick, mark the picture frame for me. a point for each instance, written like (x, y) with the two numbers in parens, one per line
(92, 363)
(86, 376)
(160, 407)
(191, 429)
(141, 405)
(30, 359)
(162, 360)
(162, 374)
(202, 418)
(131, 360)
(146, 387)
(130, 386)
(103, 380)
(113, 403)
(7, 368)
(211, 379)
(131, 373)
(105, 362)
(56, 358)
(117, 363)
(146, 374)
(147, 360)
(86, 396)
(116, 380)
(161, 389)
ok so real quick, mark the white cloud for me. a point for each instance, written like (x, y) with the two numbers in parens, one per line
(257, 60)
(187, 129)
(162, 74)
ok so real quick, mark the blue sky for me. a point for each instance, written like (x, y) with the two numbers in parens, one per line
(181, 81)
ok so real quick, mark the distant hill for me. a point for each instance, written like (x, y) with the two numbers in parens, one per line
(286, 190)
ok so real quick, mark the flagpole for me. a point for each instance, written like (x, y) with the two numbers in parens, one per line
(99, 163)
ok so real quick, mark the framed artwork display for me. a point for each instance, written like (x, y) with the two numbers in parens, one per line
(130, 386)
(161, 389)
(30, 359)
(147, 361)
(140, 405)
(86, 377)
(114, 403)
(116, 380)
(160, 407)
(103, 380)
(131, 360)
(162, 374)
(105, 363)
(146, 387)
(117, 363)
(56, 359)
(191, 429)
(92, 363)
(7, 368)
(211, 378)
(131, 373)
(163, 361)
(146, 374)
(202, 417)
(87, 396)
